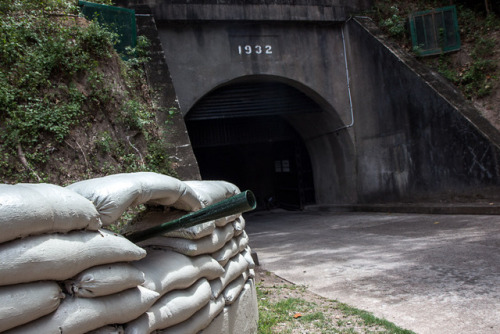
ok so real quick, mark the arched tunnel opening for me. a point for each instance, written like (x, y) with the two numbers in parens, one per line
(240, 133)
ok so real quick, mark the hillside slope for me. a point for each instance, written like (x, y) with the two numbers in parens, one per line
(70, 107)
(474, 69)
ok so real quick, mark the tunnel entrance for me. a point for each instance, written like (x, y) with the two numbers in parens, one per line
(239, 133)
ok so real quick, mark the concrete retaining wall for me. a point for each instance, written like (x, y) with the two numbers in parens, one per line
(415, 135)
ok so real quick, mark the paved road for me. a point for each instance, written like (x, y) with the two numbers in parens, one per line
(435, 274)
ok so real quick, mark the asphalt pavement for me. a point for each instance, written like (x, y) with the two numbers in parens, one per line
(430, 273)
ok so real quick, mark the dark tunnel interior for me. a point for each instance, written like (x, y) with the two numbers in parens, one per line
(239, 134)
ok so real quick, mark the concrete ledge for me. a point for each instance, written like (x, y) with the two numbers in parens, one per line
(424, 208)
(248, 12)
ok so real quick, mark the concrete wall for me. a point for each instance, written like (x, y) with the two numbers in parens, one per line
(158, 76)
(412, 140)
(307, 56)
(406, 135)
(253, 10)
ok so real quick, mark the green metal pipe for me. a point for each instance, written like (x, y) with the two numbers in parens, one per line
(243, 202)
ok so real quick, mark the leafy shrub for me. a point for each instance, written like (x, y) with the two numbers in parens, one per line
(43, 55)
(395, 24)
(52, 80)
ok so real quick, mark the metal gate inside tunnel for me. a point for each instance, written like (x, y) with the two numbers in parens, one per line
(239, 133)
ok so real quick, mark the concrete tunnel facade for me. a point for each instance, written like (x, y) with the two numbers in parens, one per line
(382, 127)
(209, 56)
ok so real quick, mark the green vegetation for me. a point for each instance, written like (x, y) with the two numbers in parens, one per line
(478, 75)
(392, 21)
(67, 98)
(285, 308)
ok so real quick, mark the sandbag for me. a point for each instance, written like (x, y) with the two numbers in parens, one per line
(242, 241)
(171, 309)
(232, 270)
(194, 232)
(80, 315)
(114, 194)
(229, 250)
(154, 218)
(239, 226)
(22, 303)
(211, 192)
(166, 270)
(30, 209)
(205, 245)
(198, 321)
(226, 220)
(233, 289)
(104, 280)
(240, 317)
(247, 254)
(108, 330)
(62, 256)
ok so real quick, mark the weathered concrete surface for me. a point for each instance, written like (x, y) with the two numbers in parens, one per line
(415, 134)
(406, 138)
(427, 273)
(158, 76)
(389, 130)
(254, 10)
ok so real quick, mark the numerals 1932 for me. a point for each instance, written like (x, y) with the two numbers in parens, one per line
(257, 49)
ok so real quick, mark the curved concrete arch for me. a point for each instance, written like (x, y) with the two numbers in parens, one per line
(332, 152)
(303, 87)
(202, 56)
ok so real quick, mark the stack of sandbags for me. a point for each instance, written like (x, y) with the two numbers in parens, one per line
(63, 273)
(200, 272)
(53, 255)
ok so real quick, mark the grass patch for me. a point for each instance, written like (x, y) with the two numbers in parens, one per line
(288, 308)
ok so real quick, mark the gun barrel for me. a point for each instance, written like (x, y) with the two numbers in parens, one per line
(243, 202)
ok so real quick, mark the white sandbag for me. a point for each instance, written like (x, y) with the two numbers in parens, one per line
(108, 330)
(239, 226)
(62, 256)
(154, 218)
(166, 270)
(194, 232)
(198, 321)
(205, 245)
(211, 192)
(226, 220)
(171, 309)
(229, 250)
(30, 209)
(247, 254)
(233, 269)
(233, 289)
(240, 317)
(114, 194)
(104, 280)
(80, 315)
(22, 303)
(242, 241)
